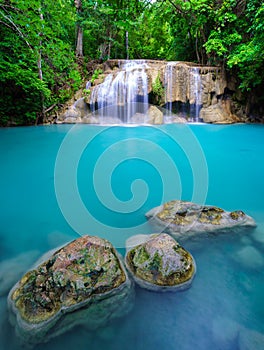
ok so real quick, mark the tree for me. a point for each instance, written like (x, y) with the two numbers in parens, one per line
(36, 59)
(79, 45)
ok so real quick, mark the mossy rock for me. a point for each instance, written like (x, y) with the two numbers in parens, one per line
(82, 283)
(159, 263)
(182, 218)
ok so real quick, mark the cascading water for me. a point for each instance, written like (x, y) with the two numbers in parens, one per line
(195, 94)
(119, 93)
(183, 91)
(169, 83)
(129, 85)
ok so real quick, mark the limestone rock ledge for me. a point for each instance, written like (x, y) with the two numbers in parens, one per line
(219, 113)
(158, 263)
(83, 283)
(182, 218)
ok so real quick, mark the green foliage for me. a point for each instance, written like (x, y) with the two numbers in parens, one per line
(96, 75)
(86, 92)
(35, 40)
(37, 44)
(158, 90)
(248, 56)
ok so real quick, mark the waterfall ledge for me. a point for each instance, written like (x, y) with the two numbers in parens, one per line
(188, 91)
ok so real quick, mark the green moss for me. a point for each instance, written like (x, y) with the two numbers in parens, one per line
(140, 256)
(156, 262)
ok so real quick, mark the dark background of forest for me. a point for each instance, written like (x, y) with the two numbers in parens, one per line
(49, 48)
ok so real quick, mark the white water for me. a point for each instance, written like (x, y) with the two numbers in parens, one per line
(169, 84)
(120, 91)
(195, 93)
(117, 99)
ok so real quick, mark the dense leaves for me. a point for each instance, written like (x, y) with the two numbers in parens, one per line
(45, 45)
(36, 59)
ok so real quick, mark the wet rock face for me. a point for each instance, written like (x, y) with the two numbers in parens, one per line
(219, 113)
(179, 217)
(155, 82)
(155, 116)
(68, 285)
(160, 264)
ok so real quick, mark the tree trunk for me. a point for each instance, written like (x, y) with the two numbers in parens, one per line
(79, 45)
(42, 114)
(196, 48)
(127, 46)
(79, 42)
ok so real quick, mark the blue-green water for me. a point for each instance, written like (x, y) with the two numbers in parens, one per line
(57, 182)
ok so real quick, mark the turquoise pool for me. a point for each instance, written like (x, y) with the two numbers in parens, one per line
(61, 181)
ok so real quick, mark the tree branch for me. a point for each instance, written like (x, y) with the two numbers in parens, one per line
(16, 29)
(177, 8)
(50, 108)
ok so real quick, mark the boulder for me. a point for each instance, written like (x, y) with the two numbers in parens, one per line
(154, 115)
(81, 106)
(158, 263)
(182, 218)
(219, 113)
(72, 115)
(75, 112)
(83, 283)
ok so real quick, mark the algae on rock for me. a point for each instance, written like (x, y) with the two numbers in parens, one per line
(159, 263)
(83, 283)
(182, 218)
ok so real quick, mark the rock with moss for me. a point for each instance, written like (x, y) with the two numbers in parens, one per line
(182, 218)
(83, 283)
(158, 263)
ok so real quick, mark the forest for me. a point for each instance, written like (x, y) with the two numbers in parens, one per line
(49, 48)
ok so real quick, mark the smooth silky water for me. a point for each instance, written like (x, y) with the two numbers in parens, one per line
(58, 182)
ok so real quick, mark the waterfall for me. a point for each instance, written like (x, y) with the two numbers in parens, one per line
(121, 92)
(183, 86)
(195, 94)
(123, 96)
(169, 84)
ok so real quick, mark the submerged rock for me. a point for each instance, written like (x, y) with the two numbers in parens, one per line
(179, 217)
(83, 283)
(159, 263)
(249, 257)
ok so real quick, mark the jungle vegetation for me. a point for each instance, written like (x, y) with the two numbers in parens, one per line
(48, 47)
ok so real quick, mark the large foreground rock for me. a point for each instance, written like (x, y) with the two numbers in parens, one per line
(182, 218)
(83, 283)
(159, 263)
